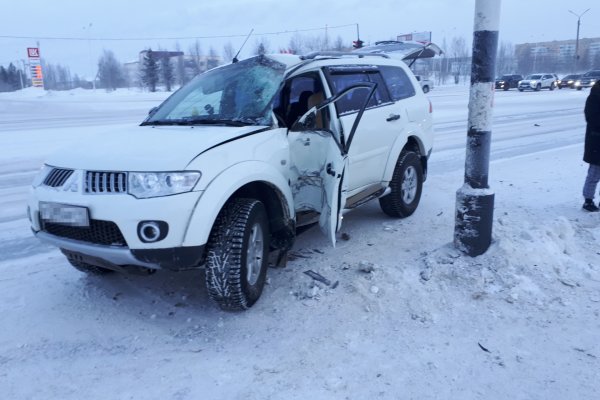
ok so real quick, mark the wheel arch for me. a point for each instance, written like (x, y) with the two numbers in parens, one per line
(412, 143)
(264, 183)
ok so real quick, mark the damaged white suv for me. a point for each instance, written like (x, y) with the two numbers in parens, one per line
(226, 170)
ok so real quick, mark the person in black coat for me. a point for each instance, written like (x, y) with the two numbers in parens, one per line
(591, 153)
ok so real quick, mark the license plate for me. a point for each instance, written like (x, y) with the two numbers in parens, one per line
(64, 214)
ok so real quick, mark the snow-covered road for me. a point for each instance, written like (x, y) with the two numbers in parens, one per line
(519, 322)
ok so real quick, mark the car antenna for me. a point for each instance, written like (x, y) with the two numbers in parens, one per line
(235, 58)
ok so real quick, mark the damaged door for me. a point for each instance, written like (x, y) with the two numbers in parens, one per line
(319, 160)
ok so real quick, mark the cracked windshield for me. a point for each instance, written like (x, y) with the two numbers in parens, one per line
(239, 93)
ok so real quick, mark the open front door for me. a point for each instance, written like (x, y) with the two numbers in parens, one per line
(319, 160)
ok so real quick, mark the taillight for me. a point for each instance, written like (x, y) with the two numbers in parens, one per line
(430, 107)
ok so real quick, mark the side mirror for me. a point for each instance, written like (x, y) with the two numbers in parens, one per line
(152, 110)
(307, 122)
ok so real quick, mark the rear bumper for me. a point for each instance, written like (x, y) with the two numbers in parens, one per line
(117, 257)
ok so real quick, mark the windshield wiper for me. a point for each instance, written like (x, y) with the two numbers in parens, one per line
(202, 121)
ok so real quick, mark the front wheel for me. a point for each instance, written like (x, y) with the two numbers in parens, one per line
(237, 254)
(538, 87)
(520, 90)
(426, 89)
(551, 87)
(406, 185)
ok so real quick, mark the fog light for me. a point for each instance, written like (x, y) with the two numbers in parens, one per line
(152, 231)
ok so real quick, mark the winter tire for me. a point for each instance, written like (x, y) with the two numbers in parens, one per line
(538, 87)
(406, 185)
(579, 88)
(506, 88)
(425, 89)
(520, 90)
(237, 255)
(551, 87)
(88, 268)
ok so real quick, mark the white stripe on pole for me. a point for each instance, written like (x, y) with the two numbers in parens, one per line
(487, 15)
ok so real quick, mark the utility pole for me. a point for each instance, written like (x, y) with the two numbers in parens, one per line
(577, 37)
(475, 200)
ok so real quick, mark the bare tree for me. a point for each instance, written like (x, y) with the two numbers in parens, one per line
(262, 46)
(166, 72)
(460, 61)
(228, 52)
(110, 73)
(196, 54)
(180, 75)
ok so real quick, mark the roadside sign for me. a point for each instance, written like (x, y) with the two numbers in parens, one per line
(422, 37)
(35, 67)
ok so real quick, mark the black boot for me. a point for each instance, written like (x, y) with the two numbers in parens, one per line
(589, 205)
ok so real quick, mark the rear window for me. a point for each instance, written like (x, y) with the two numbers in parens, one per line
(342, 78)
(398, 83)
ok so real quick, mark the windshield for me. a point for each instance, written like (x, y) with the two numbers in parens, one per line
(591, 74)
(529, 77)
(236, 94)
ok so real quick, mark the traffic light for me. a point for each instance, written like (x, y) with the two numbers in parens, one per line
(357, 44)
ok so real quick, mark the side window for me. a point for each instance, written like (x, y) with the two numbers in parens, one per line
(398, 83)
(353, 101)
(299, 95)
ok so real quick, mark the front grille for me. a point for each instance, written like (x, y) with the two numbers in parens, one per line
(99, 232)
(99, 182)
(57, 177)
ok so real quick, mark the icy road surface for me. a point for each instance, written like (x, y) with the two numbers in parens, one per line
(520, 322)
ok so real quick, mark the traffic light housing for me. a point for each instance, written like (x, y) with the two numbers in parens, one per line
(357, 44)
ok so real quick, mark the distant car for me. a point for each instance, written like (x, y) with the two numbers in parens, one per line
(509, 81)
(425, 83)
(537, 82)
(589, 79)
(568, 81)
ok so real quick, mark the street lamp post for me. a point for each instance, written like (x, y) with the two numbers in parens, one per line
(88, 28)
(577, 39)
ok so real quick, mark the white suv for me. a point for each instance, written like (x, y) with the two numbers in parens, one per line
(537, 82)
(226, 170)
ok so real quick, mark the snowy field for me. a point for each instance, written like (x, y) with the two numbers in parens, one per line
(411, 318)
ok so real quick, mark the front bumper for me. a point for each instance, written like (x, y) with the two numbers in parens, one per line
(121, 258)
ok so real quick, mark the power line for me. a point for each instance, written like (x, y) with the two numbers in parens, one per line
(172, 38)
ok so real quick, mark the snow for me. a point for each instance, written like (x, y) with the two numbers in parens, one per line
(411, 317)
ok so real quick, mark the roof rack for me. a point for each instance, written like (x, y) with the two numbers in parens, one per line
(315, 54)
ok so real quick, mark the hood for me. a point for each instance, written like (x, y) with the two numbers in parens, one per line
(146, 148)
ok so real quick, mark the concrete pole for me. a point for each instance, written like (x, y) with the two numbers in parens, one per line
(475, 200)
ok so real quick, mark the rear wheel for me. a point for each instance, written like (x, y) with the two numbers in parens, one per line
(406, 185)
(237, 254)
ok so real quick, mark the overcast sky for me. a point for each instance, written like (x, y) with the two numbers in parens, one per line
(521, 21)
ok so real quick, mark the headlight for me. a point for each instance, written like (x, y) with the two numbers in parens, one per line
(155, 184)
(577, 83)
(533, 82)
(39, 178)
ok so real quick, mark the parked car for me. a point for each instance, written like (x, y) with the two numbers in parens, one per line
(589, 79)
(568, 81)
(425, 83)
(537, 82)
(510, 81)
(226, 170)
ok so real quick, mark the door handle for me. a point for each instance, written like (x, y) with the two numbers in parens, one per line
(393, 117)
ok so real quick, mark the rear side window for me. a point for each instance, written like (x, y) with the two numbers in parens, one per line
(398, 83)
(342, 78)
